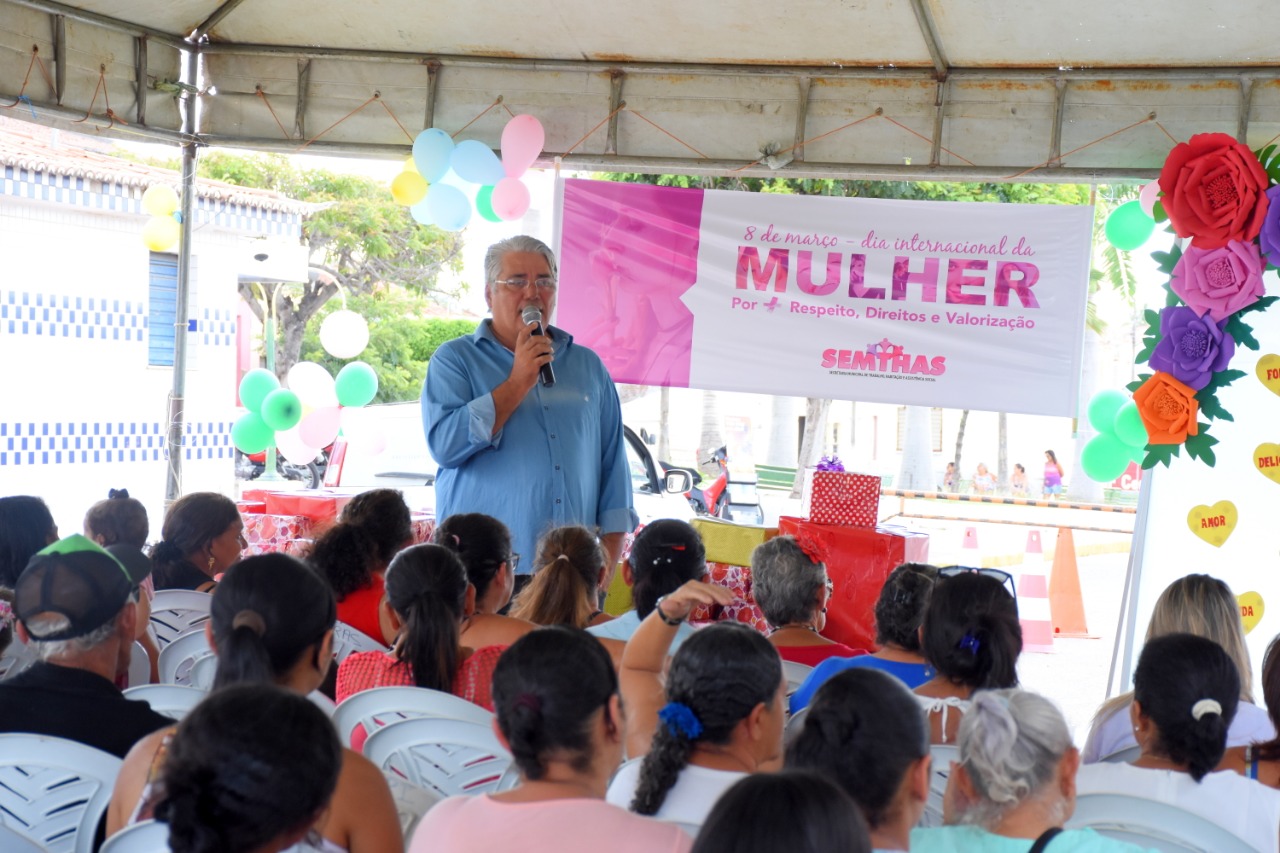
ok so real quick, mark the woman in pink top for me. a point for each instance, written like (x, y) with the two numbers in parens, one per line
(556, 696)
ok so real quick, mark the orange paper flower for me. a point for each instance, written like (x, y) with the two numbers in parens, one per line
(1168, 409)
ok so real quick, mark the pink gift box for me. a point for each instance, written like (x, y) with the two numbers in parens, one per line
(251, 507)
(743, 609)
(424, 526)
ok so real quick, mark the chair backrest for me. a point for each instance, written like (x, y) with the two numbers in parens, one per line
(1153, 825)
(795, 673)
(383, 706)
(176, 611)
(943, 755)
(179, 655)
(148, 836)
(1128, 755)
(139, 666)
(795, 724)
(54, 791)
(447, 756)
(16, 658)
(172, 700)
(347, 640)
(12, 841)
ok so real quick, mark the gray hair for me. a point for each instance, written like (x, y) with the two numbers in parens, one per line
(519, 243)
(785, 581)
(1011, 742)
(48, 650)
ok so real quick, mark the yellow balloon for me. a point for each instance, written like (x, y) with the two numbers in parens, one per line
(408, 188)
(410, 166)
(161, 233)
(160, 200)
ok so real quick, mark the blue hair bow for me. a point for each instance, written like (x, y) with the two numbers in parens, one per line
(680, 720)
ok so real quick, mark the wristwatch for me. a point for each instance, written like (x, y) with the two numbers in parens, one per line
(657, 607)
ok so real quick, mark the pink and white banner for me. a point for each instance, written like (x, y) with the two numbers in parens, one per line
(952, 304)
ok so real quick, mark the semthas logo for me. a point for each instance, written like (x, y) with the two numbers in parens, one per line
(884, 357)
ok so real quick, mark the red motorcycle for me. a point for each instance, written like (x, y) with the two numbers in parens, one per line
(713, 499)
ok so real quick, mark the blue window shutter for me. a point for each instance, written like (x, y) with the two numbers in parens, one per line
(161, 309)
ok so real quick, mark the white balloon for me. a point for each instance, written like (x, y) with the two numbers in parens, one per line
(344, 334)
(294, 449)
(313, 385)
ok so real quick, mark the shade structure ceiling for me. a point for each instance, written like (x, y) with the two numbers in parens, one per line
(1090, 90)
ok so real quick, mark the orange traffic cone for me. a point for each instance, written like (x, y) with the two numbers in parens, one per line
(1065, 600)
(1033, 599)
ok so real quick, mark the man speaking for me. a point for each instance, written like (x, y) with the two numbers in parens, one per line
(525, 424)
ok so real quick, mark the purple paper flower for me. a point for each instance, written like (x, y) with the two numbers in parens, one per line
(830, 463)
(1219, 282)
(1192, 348)
(1269, 236)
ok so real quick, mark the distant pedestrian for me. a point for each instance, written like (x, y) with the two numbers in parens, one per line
(1052, 474)
(983, 481)
(1018, 482)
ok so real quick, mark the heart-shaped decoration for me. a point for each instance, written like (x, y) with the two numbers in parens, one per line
(1266, 458)
(1214, 523)
(1251, 609)
(1268, 371)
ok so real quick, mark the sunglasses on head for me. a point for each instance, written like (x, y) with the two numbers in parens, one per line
(997, 574)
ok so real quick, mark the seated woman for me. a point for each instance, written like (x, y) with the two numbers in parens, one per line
(201, 537)
(793, 590)
(971, 637)
(427, 599)
(219, 787)
(725, 705)
(1204, 606)
(271, 622)
(353, 556)
(567, 574)
(1014, 785)
(556, 695)
(1261, 761)
(983, 480)
(666, 553)
(899, 612)
(793, 811)
(484, 545)
(26, 526)
(865, 732)
(1185, 693)
(120, 525)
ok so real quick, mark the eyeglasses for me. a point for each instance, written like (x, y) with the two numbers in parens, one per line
(513, 560)
(520, 282)
(1004, 577)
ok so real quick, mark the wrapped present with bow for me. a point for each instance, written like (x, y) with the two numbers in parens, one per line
(833, 495)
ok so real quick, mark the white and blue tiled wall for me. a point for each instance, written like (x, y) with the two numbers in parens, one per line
(98, 442)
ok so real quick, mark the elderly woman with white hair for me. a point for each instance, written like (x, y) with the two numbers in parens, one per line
(1015, 783)
(792, 587)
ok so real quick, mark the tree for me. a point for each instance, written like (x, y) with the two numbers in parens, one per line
(815, 427)
(358, 239)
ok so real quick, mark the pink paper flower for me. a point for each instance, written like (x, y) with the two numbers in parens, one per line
(1219, 282)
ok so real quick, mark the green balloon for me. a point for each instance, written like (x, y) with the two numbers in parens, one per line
(1128, 226)
(1104, 458)
(255, 386)
(250, 434)
(484, 204)
(356, 384)
(1103, 408)
(1128, 426)
(281, 410)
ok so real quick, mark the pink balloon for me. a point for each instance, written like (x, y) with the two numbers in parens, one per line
(522, 141)
(1148, 197)
(320, 428)
(510, 199)
(293, 448)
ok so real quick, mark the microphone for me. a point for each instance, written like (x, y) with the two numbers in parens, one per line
(532, 314)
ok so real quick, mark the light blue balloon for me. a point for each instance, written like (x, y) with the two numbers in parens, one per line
(449, 206)
(421, 212)
(476, 163)
(432, 150)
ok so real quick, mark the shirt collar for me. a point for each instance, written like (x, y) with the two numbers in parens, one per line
(560, 339)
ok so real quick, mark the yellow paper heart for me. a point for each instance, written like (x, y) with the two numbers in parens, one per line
(1214, 523)
(1251, 609)
(1266, 458)
(1268, 371)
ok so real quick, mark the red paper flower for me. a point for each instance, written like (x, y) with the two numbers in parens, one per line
(1214, 190)
(812, 547)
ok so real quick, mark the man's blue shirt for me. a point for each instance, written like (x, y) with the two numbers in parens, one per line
(559, 459)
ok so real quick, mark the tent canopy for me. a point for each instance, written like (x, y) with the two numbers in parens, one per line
(944, 89)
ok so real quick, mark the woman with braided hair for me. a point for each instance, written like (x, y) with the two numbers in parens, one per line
(725, 705)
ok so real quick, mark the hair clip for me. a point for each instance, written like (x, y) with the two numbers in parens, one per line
(969, 643)
(1205, 706)
(457, 542)
(117, 493)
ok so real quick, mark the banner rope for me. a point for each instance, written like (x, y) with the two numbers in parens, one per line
(35, 59)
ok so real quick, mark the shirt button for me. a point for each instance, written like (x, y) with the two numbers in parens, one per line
(557, 467)
(546, 408)
(553, 435)
(557, 500)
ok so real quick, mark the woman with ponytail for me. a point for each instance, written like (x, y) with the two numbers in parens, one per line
(971, 637)
(1186, 690)
(484, 545)
(271, 622)
(555, 693)
(567, 574)
(720, 719)
(428, 598)
(1014, 785)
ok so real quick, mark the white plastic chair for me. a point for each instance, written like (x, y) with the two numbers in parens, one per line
(1152, 824)
(176, 611)
(172, 700)
(139, 666)
(795, 673)
(795, 724)
(12, 841)
(447, 756)
(1128, 755)
(943, 755)
(202, 672)
(347, 640)
(54, 791)
(179, 656)
(16, 658)
(148, 836)
(383, 706)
